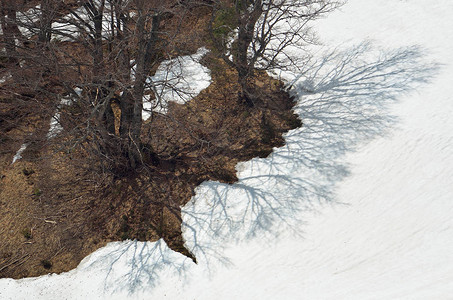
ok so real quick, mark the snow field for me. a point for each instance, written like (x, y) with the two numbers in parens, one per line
(357, 205)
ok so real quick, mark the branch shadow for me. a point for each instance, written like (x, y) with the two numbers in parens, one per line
(133, 266)
(344, 98)
(344, 101)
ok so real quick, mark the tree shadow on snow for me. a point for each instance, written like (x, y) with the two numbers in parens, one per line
(344, 99)
(133, 266)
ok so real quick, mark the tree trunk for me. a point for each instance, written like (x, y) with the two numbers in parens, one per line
(45, 31)
(103, 97)
(9, 26)
(247, 21)
(132, 103)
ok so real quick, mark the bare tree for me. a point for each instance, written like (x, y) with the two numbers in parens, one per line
(93, 59)
(97, 56)
(256, 34)
(12, 36)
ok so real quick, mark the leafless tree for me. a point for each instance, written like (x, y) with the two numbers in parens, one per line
(96, 56)
(91, 60)
(257, 34)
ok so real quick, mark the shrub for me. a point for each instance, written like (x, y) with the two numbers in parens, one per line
(27, 233)
(37, 192)
(28, 172)
(46, 264)
(224, 22)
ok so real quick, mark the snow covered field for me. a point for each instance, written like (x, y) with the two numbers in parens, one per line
(357, 205)
(179, 80)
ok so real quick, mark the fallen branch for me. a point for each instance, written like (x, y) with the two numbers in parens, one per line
(23, 258)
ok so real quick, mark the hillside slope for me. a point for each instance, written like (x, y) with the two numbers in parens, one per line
(357, 205)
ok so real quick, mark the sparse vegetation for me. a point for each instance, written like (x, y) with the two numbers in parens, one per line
(27, 172)
(37, 192)
(46, 264)
(224, 22)
(27, 233)
(107, 174)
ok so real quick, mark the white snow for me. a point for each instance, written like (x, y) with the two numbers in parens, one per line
(179, 80)
(55, 126)
(357, 205)
(67, 29)
(4, 78)
(19, 152)
(27, 18)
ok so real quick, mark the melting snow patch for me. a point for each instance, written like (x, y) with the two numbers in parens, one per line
(55, 126)
(393, 238)
(5, 78)
(19, 152)
(179, 80)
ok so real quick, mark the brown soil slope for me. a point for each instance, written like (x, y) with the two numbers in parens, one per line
(55, 209)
